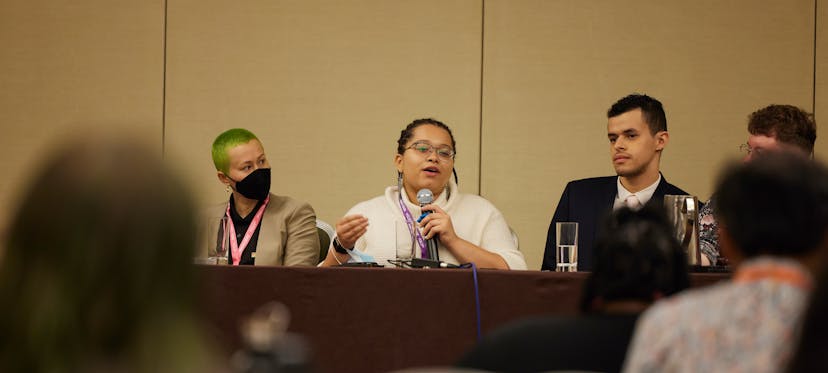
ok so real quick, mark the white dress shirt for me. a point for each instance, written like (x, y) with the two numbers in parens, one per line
(643, 195)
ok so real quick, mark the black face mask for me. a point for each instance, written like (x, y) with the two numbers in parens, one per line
(256, 185)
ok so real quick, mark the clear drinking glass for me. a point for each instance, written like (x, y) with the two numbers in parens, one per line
(566, 242)
(218, 240)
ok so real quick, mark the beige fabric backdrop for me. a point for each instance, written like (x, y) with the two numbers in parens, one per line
(67, 67)
(328, 85)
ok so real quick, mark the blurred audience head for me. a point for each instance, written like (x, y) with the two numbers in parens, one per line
(97, 273)
(780, 127)
(637, 261)
(775, 205)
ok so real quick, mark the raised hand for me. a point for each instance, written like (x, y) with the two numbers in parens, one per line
(350, 228)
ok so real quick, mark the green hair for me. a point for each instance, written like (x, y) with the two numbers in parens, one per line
(226, 140)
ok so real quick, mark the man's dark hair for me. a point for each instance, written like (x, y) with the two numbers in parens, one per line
(636, 257)
(774, 205)
(651, 110)
(787, 123)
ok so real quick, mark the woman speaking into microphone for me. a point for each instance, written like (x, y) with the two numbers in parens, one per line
(465, 228)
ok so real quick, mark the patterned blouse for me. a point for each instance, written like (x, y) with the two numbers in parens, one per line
(737, 326)
(709, 231)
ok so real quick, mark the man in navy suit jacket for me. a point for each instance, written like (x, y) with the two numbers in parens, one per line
(637, 133)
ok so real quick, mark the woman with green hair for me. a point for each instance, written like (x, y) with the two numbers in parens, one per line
(264, 228)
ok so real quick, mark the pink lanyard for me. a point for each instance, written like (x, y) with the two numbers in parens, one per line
(412, 228)
(235, 248)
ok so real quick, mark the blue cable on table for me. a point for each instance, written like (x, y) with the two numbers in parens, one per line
(476, 296)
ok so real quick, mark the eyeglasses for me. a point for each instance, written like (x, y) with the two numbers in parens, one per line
(745, 148)
(424, 148)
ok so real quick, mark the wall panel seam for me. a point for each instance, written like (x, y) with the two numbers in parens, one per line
(164, 86)
(480, 114)
(814, 81)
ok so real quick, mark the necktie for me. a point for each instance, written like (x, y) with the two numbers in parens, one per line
(632, 202)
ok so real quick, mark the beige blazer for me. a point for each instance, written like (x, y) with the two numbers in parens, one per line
(287, 235)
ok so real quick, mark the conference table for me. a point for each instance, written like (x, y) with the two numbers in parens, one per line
(382, 319)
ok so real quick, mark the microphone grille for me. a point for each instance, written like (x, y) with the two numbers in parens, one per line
(424, 196)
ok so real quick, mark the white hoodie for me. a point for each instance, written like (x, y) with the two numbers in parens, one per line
(474, 219)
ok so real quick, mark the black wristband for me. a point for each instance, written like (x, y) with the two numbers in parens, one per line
(338, 246)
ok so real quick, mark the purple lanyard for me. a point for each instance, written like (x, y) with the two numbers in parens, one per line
(412, 228)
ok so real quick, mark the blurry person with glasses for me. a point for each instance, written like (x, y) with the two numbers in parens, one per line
(774, 128)
(468, 228)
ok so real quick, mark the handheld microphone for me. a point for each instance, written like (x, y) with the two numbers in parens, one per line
(424, 197)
